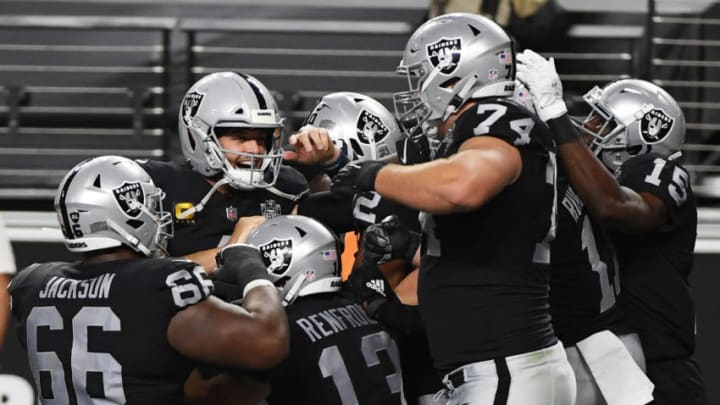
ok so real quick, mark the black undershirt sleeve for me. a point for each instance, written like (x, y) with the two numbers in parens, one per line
(333, 212)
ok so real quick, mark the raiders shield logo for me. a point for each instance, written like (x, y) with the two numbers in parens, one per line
(270, 209)
(445, 54)
(277, 255)
(190, 105)
(130, 197)
(370, 128)
(655, 125)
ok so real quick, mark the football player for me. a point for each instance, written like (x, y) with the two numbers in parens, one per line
(586, 315)
(363, 129)
(630, 179)
(338, 354)
(487, 198)
(229, 128)
(124, 325)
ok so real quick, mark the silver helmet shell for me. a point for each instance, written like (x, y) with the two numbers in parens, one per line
(301, 254)
(450, 59)
(109, 201)
(230, 100)
(635, 117)
(359, 125)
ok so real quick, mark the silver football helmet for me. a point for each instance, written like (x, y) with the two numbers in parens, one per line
(450, 59)
(359, 125)
(109, 201)
(230, 100)
(631, 117)
(301, 254)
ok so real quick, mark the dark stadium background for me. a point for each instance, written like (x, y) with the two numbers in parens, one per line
(81, 78)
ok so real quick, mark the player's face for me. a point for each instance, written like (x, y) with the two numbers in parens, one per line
(596, 124)
(245, 141)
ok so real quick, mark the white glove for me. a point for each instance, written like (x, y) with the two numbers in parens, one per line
(540, 77)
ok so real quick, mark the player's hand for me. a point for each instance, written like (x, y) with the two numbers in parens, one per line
(541, 78)
(312, 146)
(238, 265)
(356, 177)
(244, 227)
(389, 240)
(370, 287)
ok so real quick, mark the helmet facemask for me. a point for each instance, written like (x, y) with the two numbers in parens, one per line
(257, 170)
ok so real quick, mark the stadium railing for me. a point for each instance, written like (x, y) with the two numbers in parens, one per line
(77, 86)
(301, 60)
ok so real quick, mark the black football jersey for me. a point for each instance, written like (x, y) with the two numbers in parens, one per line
(371, 208)
(585, 280)
(98, 333)
(655, 266)
(338, 355)
(213, 226)
(484, 274)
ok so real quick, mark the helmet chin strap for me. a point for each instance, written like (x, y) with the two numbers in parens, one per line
(201, 205)
(133, 241)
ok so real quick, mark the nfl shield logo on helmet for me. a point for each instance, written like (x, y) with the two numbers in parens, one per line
(130, 197)
(370, 128)
(655, 125)
(190, 105)
(277, 255)
(445, 54)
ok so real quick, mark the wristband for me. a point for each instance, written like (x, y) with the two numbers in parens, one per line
(260, 282)
(334, 167)
(563, 130)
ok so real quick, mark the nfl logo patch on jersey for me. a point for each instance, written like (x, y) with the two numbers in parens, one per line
(231, 213)
(130, 197)
(445, 54)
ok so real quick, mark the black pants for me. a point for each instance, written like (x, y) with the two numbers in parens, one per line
(677, 382)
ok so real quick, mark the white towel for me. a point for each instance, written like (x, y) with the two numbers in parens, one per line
(620, 379)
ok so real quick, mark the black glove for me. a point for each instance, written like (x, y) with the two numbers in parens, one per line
(238, 266)
(413, 149)
(389, 240)
(370, 287)
(356, 177)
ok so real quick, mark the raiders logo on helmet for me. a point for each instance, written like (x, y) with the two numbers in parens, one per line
(655, 125)
(445, 54)
(277, 255)
(130, 197)
(190, 105)
(370, 128)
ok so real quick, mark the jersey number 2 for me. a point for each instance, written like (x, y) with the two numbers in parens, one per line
(81, 359)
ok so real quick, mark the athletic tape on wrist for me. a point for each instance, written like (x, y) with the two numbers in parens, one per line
(260, 282)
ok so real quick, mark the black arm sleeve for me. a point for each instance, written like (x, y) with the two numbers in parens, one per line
(335, 213)
(400, 318)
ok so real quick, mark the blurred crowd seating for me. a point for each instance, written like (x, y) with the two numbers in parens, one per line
(73, 86)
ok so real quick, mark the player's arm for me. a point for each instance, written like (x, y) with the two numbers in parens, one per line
(4, 305)
(607, 201)
(481, 169)
(252, 336)
(243, 228)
